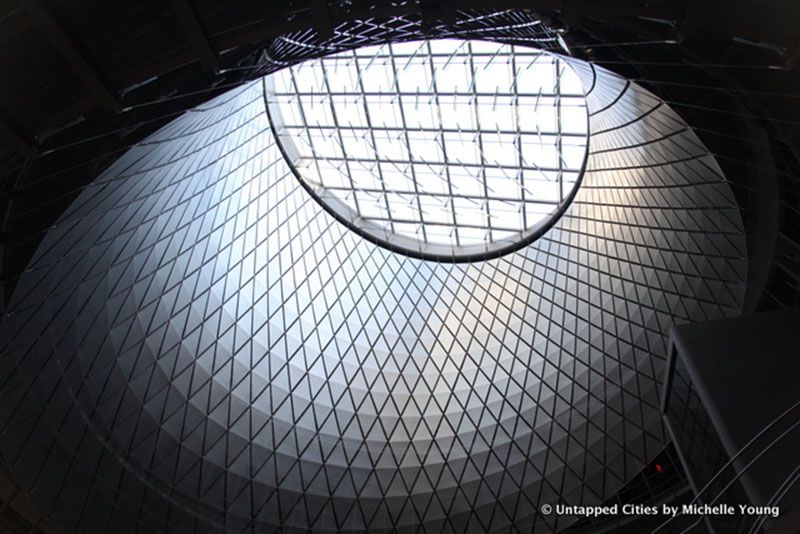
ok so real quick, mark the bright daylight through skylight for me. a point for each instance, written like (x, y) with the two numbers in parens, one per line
(442, 148)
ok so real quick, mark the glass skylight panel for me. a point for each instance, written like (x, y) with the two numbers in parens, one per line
(444, 149)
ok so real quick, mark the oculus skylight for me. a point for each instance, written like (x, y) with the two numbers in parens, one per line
(197, 342)
(444, 149)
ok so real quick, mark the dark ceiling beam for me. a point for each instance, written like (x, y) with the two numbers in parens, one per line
(791, 64)
(321, 17)
(194, 30)
(12, 133)
(793, 55)
(269, 27)
(70, 51)
(571, 12)
(621, 9)
(692, 17)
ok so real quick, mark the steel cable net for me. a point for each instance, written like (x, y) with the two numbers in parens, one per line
(198, 345)
(441, 149)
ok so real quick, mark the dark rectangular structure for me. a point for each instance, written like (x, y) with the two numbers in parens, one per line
(730, 396)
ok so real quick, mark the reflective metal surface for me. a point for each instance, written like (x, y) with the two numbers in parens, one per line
(199, 345)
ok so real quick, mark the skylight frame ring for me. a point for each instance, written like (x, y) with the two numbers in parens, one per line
(403, 244)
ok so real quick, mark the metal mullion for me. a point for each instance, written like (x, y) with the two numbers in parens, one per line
(301, 107)
(448, 54)
(447, 130)
(444, 150)
(408, 143)
(558, 137)
(339, 134)
(374, 144)
(429, 163)
(427, 193)
(436, 223)
(480, 142)
(518, 140)
(431, 93)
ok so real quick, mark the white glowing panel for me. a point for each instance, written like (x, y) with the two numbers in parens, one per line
(443, 148)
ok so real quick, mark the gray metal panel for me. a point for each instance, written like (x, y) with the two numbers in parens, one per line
(197, 338)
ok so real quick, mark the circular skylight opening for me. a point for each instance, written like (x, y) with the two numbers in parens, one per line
(444, 149)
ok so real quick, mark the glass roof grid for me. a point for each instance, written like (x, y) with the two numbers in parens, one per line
(372, 136)
(473, 88)
(517, 137)
(433, 157)
(444, 148)
(327, 84)
(396, 87)
(304, 121)
(557, 64)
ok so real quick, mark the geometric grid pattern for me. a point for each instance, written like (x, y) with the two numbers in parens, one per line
(662, 481)
(445, 146)
(198, 346)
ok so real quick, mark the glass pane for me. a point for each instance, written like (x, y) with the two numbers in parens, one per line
(445, 142)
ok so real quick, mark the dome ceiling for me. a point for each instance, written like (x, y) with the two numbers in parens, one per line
(198, 341)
